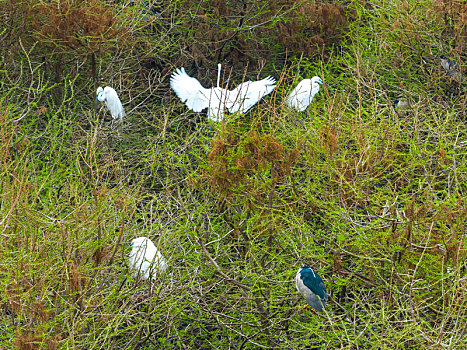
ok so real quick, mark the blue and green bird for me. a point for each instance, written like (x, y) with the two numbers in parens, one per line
(311, 286)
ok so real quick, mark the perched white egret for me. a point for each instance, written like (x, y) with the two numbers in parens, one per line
(145, 259)
(113, 103)
(303, 94)
(216, 99)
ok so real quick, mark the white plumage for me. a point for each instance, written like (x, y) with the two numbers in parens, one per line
(247, 94)
(217, 99)
(113, 103)
(303, 94)
(145, 259)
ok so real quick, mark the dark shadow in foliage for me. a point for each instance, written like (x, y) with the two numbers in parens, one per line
(251, 33)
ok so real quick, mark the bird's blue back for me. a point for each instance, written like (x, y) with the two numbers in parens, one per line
(313, 281)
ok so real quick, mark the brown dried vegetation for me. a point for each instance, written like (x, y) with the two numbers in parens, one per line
(249, 33)
(234, 163)
(28, 341)
(75, 24)
(312, 27)
(454, 13)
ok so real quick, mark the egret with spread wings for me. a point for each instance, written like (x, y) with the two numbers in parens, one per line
(216, 99)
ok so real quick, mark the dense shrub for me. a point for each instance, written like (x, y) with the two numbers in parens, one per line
(370, 196)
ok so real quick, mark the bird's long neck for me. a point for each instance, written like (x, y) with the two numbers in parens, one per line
(315, 88)
(218, 74)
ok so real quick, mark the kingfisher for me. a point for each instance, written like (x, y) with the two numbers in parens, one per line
(311, 286)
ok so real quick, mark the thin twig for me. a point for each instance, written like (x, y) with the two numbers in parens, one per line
(219, 270)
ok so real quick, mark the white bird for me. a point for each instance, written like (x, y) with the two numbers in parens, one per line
(216, 99)
(113, 103)
(303, 94)
(247, 94)
(145, 259)
(190, 91)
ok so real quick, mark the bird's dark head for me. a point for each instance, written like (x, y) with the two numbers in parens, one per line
(396, 102)
(445, 62)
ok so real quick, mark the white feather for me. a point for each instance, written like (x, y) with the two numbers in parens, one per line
(145, 259)
(189, 90)
(303, 94)
(247, 94)
(217, 99)
(112, 101)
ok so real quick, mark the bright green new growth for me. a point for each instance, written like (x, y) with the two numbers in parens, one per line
(370, 197)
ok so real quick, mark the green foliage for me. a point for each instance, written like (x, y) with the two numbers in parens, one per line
(370, 196)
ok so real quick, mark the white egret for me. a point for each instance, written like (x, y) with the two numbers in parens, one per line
(145, 259)
(190, 91)
(303, 94)
(216, 99)
(113, 103)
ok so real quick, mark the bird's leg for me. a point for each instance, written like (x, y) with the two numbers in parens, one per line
(301, 307)
(115, 124)
(306, 308)
(303, 121)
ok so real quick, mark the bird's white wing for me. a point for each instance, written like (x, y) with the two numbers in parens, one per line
(189, 90)
(247, 94)
(145, 259)
(301, 96)
(161, 263)
(113, 103)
